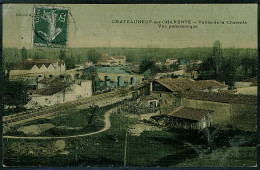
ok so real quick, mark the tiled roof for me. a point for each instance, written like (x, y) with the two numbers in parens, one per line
(178, 84)
(222, 97)
(40, 61)
(210, 83)
(23, 66)
(50, 90)
(28, 64)
(189, 113)
(148, 98)
(119, 57)
(47, 80)
(192, 61)
(181, 84)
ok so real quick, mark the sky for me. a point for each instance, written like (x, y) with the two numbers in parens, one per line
(91, 25)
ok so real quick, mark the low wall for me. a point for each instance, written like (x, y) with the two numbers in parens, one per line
(221, 114)
(238, 116)
(168, 101)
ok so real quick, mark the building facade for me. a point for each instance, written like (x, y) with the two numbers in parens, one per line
(112, 61)
(59, 92)
(230, 110)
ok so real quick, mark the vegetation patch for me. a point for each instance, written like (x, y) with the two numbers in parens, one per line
(35, 129)
(166, 148)
(78, 122)
(225, 157)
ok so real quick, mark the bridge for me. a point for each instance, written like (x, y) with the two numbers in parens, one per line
(121, 79)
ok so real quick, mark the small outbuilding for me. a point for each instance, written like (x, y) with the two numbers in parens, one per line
(190, 118)
(149, 101)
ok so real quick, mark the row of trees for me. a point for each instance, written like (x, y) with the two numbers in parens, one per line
(230, 68)
(149, 68)
(81, 55)
(13, 55)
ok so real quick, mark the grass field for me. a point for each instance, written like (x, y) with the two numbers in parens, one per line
(77, 122)
(225, 157)
(166, 148)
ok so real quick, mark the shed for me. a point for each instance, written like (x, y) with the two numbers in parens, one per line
(190, 118)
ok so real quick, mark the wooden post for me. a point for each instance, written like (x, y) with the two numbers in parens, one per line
(125, 144)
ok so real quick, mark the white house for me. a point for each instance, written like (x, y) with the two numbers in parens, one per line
(59, 92)
(158, 63)
(170, 61)
(119, 60)
(88, 63)
(112, 61)
(247, 86)
(195, 62)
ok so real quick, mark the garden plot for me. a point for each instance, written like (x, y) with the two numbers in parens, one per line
(35, 129)
(69, 128)
(137, 129)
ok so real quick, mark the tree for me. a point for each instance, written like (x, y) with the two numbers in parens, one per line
(24, 53)
(249, 66)
(36, 55)
(227, 71)
(62, 55)
(146, 64)
(164, 68)
(14, 92)
(149, 74)
(207, 69)
(93, 56)
(70, 62)
(217, 55)
(174, 67)
(90, 73)
(93, 111)
(211, 66)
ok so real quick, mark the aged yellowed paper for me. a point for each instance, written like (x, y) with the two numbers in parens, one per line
(102, 85)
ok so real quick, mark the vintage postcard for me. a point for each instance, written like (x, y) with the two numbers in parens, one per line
(129, 85)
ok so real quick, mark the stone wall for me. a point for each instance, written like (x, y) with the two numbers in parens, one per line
(221, 114)
(168, 101)
(237, 116)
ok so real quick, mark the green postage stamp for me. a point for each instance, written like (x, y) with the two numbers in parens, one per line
(50, 27)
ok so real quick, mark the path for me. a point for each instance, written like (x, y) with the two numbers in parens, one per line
(106, 127)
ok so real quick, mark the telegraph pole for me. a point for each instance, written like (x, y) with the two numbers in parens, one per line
(125, 143)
